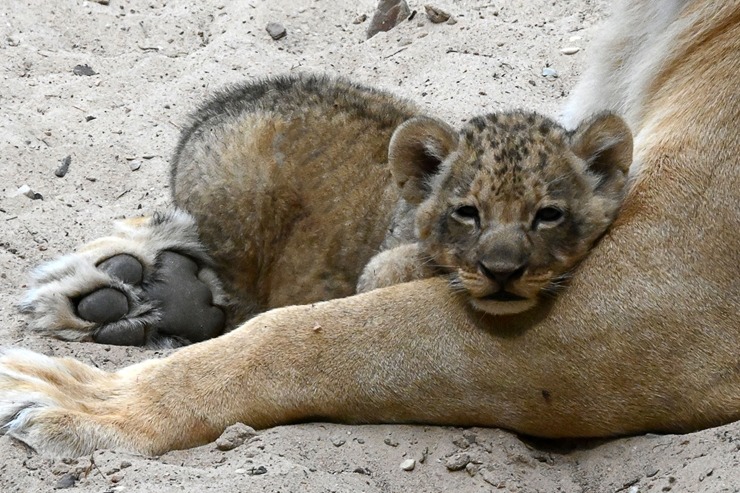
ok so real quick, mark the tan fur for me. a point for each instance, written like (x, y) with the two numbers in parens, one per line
(507, 207)
(645, 339)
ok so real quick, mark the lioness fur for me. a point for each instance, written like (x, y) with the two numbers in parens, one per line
(645, 339)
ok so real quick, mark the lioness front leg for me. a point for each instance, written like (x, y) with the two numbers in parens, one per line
(327, 360)
(407, 353)
(128, 288)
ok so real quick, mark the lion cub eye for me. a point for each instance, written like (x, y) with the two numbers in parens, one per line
(466, 213)
(548, 215)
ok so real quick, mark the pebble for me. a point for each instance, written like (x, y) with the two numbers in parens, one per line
(408, 465)
(234, 436)
(436, 15)
(83, 70)
(276, 30)
(388, 15)
(549, 72)
(66, 481)
(63, 167)
(570, 50)
(456, 462)
(28, 192)
(135, 165)
(360, 19)
(574, 39)
(390, 442)
(338, 441)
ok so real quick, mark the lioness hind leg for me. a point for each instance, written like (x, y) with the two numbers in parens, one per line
(126, 289)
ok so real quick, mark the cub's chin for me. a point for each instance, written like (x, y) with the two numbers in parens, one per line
(507, 307)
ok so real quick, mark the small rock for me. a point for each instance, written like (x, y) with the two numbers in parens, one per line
(574, 39)
(360, 19)
(102, 2)
(83, 70)
(408, 465)
(234, 436)
(456, 462)
(116, 478)
(390, 442)
(134, 165)
(63, 167)
(338, 441)
(125, 464)
(66, 481)
(90, 118)
(451, 21)
(404, 42)
(570, 50)
(276, 30)
(257, 471)
(472, 469)
(26, 190)
(461, 442)
(436, 15)
(549, 72)
(470, 436)
(388, 15)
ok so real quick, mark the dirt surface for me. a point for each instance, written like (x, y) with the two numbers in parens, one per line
(109, 86)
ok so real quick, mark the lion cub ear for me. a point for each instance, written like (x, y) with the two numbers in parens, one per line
(416, 150)
(604, 142)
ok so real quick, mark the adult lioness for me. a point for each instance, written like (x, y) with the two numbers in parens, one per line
(645, 339)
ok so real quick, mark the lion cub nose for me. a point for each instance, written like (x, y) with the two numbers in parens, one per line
(502, 273)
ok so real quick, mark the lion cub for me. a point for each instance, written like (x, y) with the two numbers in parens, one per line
(286, 189)
(506, 207)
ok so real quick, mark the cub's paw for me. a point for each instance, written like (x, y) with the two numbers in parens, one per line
(149, 284)
(403, 263)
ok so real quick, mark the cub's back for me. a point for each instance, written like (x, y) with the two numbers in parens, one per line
(277, 174)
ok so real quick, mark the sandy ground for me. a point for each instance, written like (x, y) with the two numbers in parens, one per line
(152, 61)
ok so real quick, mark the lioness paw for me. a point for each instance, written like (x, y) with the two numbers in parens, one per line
(47, 402)
(149, 284)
